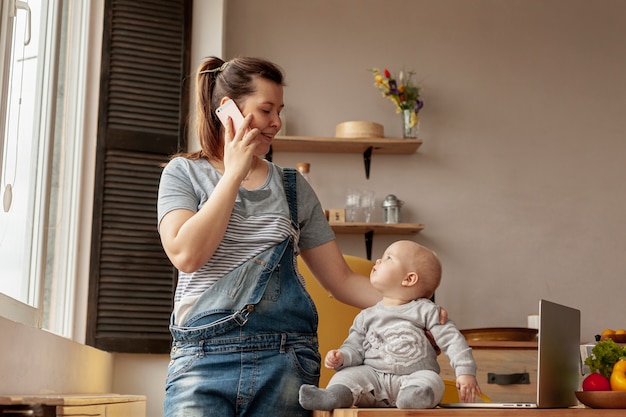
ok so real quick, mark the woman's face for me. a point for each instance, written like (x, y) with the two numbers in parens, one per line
(265, 105)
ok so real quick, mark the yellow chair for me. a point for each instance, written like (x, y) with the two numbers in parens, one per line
(335, 318)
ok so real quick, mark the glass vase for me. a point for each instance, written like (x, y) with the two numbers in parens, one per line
(410, 128)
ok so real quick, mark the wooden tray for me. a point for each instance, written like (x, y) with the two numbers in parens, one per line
(509, 334)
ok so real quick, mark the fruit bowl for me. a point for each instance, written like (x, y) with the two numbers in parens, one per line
(602, 399)
(617, 338)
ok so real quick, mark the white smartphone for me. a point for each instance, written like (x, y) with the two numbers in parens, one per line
(230, 109)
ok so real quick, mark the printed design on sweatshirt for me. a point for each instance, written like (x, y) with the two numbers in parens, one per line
(401, 344)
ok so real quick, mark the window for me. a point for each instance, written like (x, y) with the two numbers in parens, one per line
(42, 75)
(45, 141)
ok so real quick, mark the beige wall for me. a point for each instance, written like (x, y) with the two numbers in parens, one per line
(38, 362)
(520, 180)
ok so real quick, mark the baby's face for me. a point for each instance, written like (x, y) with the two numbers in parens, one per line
(389, 271)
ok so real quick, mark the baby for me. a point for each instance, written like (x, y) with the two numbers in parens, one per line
(387, 360)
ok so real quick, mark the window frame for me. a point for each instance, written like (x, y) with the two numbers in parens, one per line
(83, 117)
(67, 25)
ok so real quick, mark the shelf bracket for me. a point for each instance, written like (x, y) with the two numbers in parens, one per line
(367, 159)
(369, 239)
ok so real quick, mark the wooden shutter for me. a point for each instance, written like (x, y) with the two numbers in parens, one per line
(142, 116)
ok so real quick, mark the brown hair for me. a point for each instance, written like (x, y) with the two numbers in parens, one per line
(215, 79)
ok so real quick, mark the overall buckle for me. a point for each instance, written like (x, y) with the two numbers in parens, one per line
(241, 317)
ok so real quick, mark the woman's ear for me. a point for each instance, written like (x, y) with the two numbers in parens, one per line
(224, 100)
(410, 279)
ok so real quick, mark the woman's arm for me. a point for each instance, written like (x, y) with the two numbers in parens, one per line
(331, 270)
(190, 239)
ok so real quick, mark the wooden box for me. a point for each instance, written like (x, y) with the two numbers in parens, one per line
(507, 370)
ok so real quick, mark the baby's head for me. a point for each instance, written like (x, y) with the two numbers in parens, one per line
(407, 271)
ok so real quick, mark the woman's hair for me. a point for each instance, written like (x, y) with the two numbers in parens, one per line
(216, 79)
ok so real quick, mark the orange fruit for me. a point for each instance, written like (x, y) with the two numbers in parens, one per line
(620, 331)
(607, 332)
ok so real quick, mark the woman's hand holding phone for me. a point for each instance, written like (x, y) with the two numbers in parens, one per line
(238, 152)
(230, 109)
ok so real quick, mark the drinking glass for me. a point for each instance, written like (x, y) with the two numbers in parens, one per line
(353, 198)
(367, 204)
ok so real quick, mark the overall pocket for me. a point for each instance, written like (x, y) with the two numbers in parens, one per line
(182, 358)
(306, 362)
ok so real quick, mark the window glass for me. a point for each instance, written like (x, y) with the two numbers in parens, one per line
(20, 150)
(43, 55)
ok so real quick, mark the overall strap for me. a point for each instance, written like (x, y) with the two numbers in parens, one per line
(289, 181)
(289, 184)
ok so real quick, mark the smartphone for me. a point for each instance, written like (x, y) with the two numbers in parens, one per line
(227, 109)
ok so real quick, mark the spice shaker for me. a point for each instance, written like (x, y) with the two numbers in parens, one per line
(391, 209)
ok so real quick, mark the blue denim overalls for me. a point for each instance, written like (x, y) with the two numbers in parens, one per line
(249, 342)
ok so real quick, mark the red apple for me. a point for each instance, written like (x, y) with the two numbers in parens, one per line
(596, 382)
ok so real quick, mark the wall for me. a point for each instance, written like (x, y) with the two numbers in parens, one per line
(38, 362)
(520, 180)
(142, 375)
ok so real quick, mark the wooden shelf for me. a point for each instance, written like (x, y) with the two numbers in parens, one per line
(382, 228)
(366, 146)
(345, 145)
(368, 229)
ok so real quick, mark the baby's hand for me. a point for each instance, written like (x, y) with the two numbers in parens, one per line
(468, 388)
(334, 359)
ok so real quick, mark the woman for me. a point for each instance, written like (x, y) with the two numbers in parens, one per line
(243, 326)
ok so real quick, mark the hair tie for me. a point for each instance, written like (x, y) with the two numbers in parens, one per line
(218, 69)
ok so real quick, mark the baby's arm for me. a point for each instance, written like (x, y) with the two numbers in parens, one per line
(468, 388)
(334, 359)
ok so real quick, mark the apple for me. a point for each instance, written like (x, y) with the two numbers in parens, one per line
(596, 382)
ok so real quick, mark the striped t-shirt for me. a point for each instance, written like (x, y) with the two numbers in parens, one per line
(259, 221)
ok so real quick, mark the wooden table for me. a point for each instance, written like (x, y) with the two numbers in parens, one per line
(446, 412)
(99, 405)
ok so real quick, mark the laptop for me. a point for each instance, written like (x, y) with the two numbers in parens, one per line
(558, 361)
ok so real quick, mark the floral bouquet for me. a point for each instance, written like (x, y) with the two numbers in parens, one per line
(403, 93)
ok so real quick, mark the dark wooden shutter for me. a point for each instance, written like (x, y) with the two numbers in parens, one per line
(143, 111)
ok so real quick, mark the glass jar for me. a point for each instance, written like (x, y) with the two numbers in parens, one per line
(391, 209)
